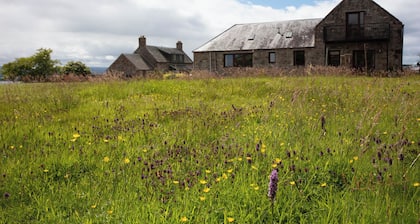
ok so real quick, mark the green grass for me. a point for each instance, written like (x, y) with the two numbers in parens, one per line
(201, 151)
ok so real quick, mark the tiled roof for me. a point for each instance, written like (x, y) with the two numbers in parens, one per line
(270, 35)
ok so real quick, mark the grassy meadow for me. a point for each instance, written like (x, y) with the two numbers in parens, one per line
(201, 151)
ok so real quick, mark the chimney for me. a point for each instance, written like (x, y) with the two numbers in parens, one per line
(142, 41)
(179, 45)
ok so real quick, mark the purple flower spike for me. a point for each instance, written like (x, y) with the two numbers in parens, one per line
(272, 186)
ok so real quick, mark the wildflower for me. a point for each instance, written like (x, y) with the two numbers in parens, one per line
(184, 219)
(208, 171)
(203, 182)
(176, 182)
(109, 212)
(6, 195)
(106, 140)
(355, 158)
(274, 165)
(76, 135)
(230, 219)
(230, 170)
(272, 186)
(93, 206)
(46, 171)
(206, 190)
(106, 159)
(224, 176)
(324, 184)
(292, 183)
(126, 160)
(202, 198)
(417, 184)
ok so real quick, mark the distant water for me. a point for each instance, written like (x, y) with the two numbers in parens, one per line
(98, 70)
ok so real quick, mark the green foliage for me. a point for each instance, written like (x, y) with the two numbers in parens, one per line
(76, 67)
(201, 151)
(38, 66)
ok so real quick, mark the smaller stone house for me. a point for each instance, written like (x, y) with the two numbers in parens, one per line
(146, 59)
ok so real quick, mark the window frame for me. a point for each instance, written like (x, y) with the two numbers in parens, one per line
(334, 53)
(272, 57)
(238, 60)
(297, 61)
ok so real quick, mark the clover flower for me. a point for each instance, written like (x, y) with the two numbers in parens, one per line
(272, 186)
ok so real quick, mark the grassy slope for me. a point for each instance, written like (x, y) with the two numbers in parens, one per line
(202, 150)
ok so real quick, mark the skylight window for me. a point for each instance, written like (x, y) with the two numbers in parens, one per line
(252, 37)
(288, 34)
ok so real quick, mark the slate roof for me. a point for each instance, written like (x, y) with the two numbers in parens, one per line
(269, 35)
(156, 52)
(137, 61)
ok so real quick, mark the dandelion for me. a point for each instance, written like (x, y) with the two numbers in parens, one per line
(202, 198)
(272, 186)
(417, 184)
(93, 206)
(106, 159)
(126, 160)
(184, 219)
(230, 219)
(208, 171)
(324, 184)
(206, 190)
(76, 135)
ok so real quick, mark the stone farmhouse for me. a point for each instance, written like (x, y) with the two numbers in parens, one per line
(146, 59)
(356, 33)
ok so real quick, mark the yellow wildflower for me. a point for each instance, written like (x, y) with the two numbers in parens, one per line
(274, 165)
(126, 160)
(93, 206)
(202, 198)
(224, 176)
(324, 184)
(76, 135)
(292, 183)
(417, 184)
(355, 158)
(203, 182)
(206, 190)
(109, 212)
(176, 182)
(208, 171)
(230, 170)
(106, 159)
(230, 219)
(184, 219)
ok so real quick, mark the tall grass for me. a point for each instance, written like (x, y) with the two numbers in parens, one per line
(201, 151)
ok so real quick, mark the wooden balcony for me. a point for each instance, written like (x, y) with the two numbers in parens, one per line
(365, 32)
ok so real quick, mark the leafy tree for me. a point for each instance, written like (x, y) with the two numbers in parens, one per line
(38, 66)
(77, 68)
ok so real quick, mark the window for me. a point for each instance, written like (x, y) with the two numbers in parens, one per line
(334, 58)
(238, 60)
(177, 58)
(272, 57)
(359, 59)
(299, 58)
(355, 25)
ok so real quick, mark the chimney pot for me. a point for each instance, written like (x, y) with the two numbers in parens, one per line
(142, 41)
(179, 45)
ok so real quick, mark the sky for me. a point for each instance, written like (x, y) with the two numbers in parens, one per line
(96, 32)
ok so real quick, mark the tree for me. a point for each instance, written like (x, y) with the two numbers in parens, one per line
(77, 68)
(38, 66)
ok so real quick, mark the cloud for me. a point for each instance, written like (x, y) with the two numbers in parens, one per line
(98, 31)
